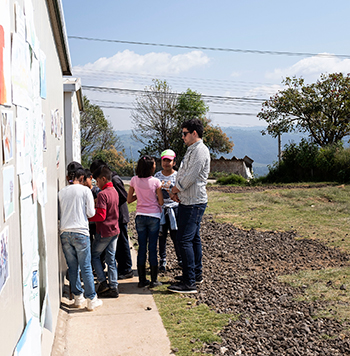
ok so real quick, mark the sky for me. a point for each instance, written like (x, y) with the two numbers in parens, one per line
(312, 27)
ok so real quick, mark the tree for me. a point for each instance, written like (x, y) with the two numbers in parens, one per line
(154, 116)
(321, 109)
(96, 132)
(157, 123)
(115, 160)
(189, 105)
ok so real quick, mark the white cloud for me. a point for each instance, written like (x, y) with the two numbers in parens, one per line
(150, 63)
(236, 74)
(264, 91)
(311, 68)
(130, 70)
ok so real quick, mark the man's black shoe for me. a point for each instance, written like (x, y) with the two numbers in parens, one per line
(143, 283)
(110, 293)
(103, 286)
(199, 280)
(126, 275)
(183, 288)
(113, 292)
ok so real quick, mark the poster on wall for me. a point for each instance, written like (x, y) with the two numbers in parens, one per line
(30, 341)
(52, 122)
(57, 123)
(8, 190)
(4, 258)
(26, 179)
(21, 139)
(7, 134)
(30, 27)
(42, 187)
(20, 22)
(58, 150)
(20, 71)
(76, 129)
(30, 258)
(44, 133)
(45, 307)
(5, 54)
(42, 75)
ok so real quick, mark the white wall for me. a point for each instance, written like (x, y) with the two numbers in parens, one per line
(12, 316)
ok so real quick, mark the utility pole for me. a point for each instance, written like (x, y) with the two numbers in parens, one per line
(133, 163)
(279, 149)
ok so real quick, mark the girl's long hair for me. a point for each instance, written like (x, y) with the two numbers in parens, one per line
(145, 167)
(77, 174)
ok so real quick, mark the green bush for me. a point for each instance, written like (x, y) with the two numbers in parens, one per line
(234, 179)
(308, 162)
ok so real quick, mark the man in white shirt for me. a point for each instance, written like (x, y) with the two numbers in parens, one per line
(190, 191)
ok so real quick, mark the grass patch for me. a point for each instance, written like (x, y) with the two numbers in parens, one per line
(314, 213)
(326, 285)
(188, 325)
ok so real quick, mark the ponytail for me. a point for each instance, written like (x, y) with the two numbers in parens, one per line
(72, 175)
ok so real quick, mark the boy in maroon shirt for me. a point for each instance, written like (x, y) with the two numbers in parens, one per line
(107, 231)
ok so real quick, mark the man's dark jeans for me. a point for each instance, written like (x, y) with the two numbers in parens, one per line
(189, 221)
(123, 255)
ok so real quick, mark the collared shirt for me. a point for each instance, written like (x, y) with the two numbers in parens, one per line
(193, 173)
(107, 201)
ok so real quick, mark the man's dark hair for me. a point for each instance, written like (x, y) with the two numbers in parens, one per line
(145, 166)
(194, 125)
(95, 164)
(88, 173)
(103, 171)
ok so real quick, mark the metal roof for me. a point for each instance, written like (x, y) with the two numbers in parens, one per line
(60, 35)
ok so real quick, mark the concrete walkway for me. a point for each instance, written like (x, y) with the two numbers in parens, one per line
(128, 325)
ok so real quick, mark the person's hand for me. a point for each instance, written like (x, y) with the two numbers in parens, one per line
(174, 189)
(174, 197)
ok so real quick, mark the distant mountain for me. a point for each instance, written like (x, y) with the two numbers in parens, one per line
(247, 141)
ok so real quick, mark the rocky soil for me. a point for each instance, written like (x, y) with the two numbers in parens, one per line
(240, 270)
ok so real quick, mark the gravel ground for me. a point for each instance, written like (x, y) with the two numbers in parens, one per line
(240, 270)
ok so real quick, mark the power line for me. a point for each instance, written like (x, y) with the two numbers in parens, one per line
(177, 82)
(211, 112)
(236, 50)
(119, 105)
(138, 91)
(81, 71)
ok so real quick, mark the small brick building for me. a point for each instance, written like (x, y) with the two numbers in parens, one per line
(240, 166)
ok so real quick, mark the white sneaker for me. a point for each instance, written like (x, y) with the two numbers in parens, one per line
(79, 301)
(92, 304)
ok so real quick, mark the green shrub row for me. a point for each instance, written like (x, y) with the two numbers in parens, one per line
(307, 162)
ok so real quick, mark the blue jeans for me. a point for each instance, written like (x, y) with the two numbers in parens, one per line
(76, 249)
(189, 221)
(147, 228)
(109, 245)
(123, 255)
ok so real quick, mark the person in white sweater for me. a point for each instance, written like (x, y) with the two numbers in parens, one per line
(76, 205)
